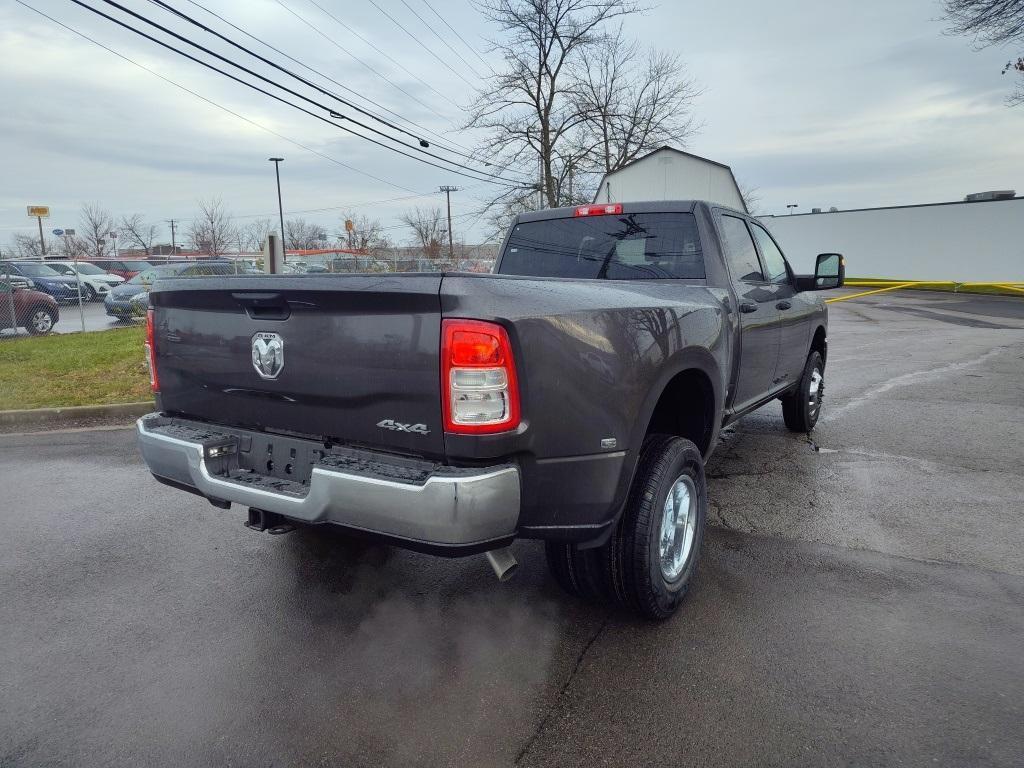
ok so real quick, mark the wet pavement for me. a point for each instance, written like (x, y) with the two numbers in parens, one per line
(860, 600)
(71, 317)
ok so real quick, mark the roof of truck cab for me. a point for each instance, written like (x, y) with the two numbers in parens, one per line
(653, 206)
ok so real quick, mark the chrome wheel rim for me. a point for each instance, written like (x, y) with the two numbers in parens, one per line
(678, 527)
(42, 321)
(816, 391)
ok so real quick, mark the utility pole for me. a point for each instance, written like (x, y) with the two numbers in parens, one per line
(174, 245)
(448, 194)
(280, 207)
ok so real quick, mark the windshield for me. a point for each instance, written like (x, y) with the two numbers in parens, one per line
(614, 247)
(37, 270)
(85, 268)
(143, 277)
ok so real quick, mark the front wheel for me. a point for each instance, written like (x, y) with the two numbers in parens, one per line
(651, 557)
(40, 321)
(88, 293)
(802, 406)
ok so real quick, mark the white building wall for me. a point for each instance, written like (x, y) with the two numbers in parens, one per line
(670, 175)
(965, 242)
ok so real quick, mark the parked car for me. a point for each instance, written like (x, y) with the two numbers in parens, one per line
(122, 268)
(122, 302)
(35, 311)
(44, 278)
(572, 396)
(96, 283)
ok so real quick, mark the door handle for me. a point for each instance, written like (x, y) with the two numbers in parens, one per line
(783, 305)
(747, 307)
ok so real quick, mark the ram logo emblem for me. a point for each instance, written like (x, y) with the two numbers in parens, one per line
(268, 354)
(397, 426)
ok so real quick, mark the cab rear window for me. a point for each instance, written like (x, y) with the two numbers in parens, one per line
(635, 246)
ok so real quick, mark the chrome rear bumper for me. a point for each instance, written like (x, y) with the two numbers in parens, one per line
(453, 507)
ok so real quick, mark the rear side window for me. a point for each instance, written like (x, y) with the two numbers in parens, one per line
(616, 247)
(739, 250)
(774, 261)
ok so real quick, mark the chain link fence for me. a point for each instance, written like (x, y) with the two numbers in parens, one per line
(39, 296)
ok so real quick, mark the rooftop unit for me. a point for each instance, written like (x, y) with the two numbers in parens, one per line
(996, 194)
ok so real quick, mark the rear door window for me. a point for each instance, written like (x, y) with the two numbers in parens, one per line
(739, 250)
(638, 246)
(774, 261)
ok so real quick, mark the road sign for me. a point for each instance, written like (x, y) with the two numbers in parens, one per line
(349, 226)
(41, 211)
(58, 232)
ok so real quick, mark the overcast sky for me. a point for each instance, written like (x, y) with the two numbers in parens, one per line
(853, 103)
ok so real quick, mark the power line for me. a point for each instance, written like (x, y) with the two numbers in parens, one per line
(274, 83)
(288, 72)
(443, 41)
(331, 79)
(370, 68)
(421, 44)
(214, 103)
(445, 22)
(283, 88)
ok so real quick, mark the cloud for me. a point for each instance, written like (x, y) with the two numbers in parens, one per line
(842, 103)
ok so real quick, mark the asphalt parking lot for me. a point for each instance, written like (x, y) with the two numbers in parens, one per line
(860, 600)
(95, 316)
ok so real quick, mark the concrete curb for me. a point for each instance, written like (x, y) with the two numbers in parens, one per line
(42, 417)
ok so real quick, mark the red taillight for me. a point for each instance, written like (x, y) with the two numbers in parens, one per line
(154, 380)
(479, 391)
(598, 210)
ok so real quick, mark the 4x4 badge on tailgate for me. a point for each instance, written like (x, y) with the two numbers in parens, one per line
(416, 429)
(267, 354)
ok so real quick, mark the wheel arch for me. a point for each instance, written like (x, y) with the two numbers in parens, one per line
(691, 373)
(819, 342)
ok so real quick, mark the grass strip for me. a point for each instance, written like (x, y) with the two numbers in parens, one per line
(73, 369)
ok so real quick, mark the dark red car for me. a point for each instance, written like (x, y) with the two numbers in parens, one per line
(34, 311)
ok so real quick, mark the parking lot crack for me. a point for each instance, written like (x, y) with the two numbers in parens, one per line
(553, 707)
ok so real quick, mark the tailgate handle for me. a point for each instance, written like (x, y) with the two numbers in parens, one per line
(264, 306)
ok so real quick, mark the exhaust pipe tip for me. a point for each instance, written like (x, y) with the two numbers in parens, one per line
(503, 562)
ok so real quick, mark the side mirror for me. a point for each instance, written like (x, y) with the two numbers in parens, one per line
(829, 271)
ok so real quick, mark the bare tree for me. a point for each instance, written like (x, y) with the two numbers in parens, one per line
(427, 225)
(211, 230)
(253, 236)
(94, 228)
(633, 102)
(992, 22)
(138, 233)
(366, 234)
(528, 110)
(28, 247)
(751, 197)
(300, 234)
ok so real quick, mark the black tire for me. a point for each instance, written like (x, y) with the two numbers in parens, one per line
(802, 407)
(88, 293)
(627, 570)
(580, 572)
(40, 320)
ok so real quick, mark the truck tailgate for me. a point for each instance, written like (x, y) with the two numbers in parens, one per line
(351, 358)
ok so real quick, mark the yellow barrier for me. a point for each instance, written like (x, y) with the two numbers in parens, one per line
(889, 285)
(868, 293)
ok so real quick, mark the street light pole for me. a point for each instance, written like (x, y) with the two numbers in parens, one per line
(280, 207)
(791, 206)
(448, 194)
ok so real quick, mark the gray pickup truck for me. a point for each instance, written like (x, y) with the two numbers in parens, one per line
(572, 396)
